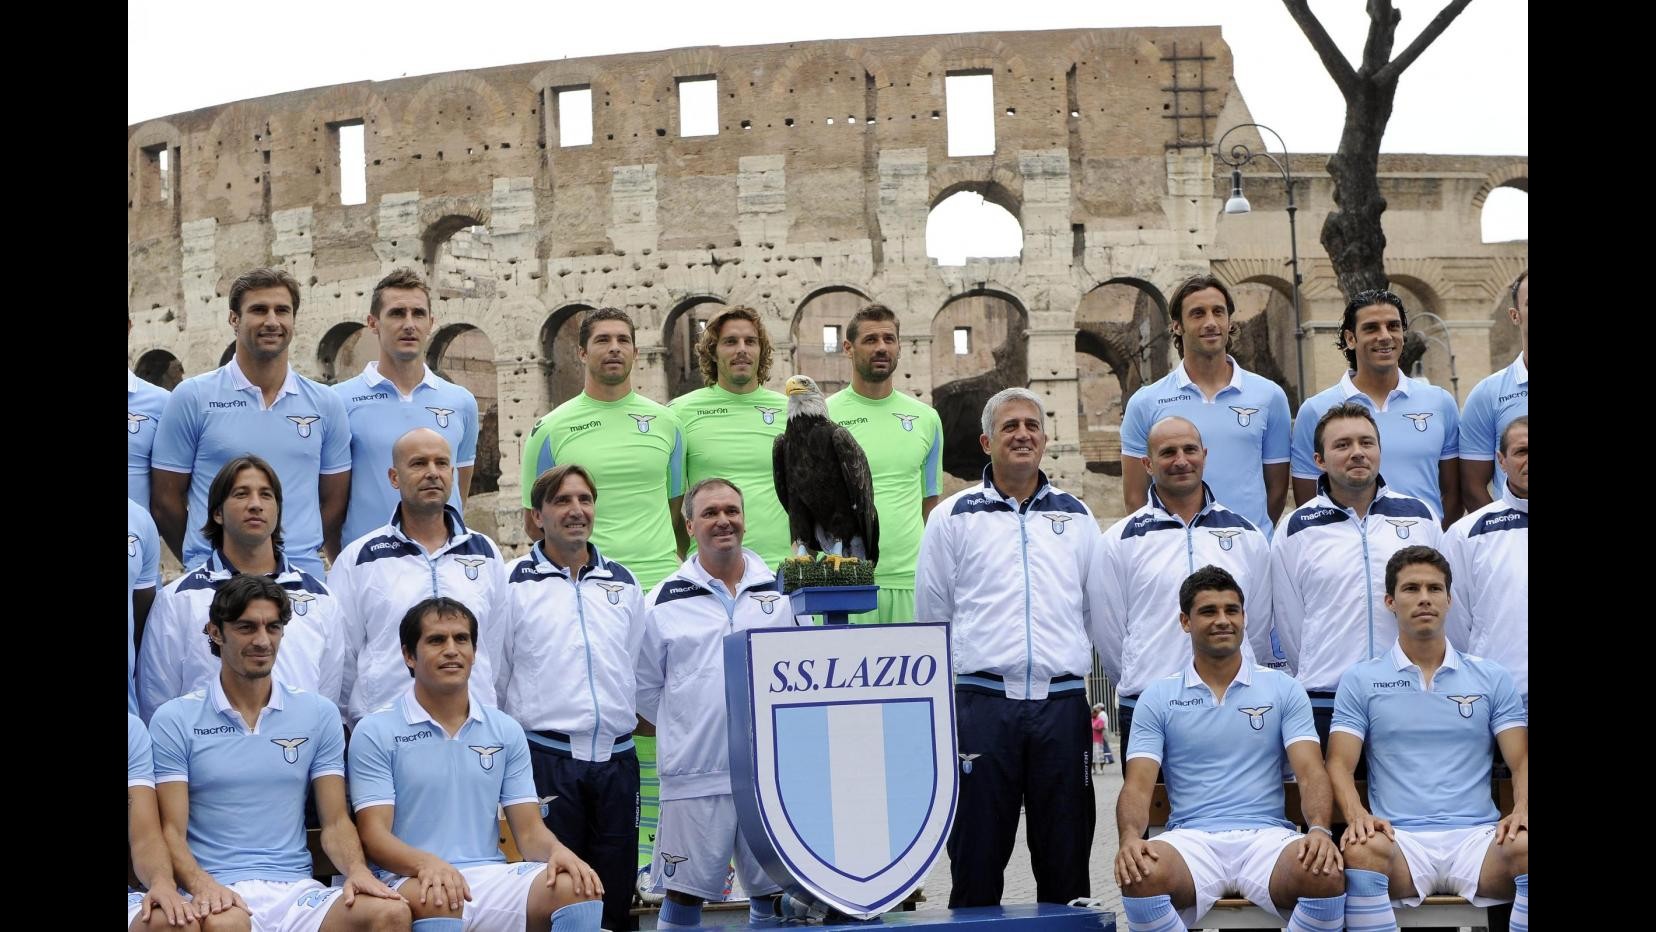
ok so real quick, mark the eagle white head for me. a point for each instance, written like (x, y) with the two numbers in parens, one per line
(804, 398)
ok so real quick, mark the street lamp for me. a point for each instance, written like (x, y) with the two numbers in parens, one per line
(1454, 376)
(1240, 156)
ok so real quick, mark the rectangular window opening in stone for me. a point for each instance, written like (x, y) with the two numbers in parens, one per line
(963, 341)
(699, 106)
(353, 165)
(157, 173)
(831, 338)
(574, 115)
(969, 100)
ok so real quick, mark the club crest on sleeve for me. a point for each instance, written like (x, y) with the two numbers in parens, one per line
(1243, 415)
(546, 805)
(643, 421)
(304, 422)
(442, 415)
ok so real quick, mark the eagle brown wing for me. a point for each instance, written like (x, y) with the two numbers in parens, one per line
(859, 483)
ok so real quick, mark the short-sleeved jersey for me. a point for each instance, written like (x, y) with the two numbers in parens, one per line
(248, 786)
(143, 572)
(902, 437)
(445, 788)
(635, 451)
(140, 763)
(1244, 427)
(1222, 761)
(1419, 428)
(219, 415)
(1501, 398)
(145, 404)
(379, 415)
(1428, 750)
(730, 436)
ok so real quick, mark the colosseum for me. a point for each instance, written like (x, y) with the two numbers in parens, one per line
(812, 196)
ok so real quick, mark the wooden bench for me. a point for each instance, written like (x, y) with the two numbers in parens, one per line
(1238, 913)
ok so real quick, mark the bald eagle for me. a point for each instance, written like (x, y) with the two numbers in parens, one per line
(822, 479)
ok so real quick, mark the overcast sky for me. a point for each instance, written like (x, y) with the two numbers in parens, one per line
(1469, 94)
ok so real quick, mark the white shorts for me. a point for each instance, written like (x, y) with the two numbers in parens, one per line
(1446, 861)
(1237, 862)
(694, 844)
(286, 905)
(500, 894)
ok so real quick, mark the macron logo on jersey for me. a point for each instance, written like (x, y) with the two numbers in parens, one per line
(1419, 420)
(1503, 399)
(134, 419)
(1243, 414)
(304, 423)
(442, 415)
(376, 396)
(237, 403)
(409, 739)
(1393, 684)
(216, 730)
(643, 421)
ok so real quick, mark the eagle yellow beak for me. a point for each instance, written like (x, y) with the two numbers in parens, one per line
(795, 386)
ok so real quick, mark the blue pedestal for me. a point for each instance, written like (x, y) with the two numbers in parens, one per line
(836, 604)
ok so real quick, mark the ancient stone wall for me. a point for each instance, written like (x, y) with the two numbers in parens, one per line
(812, 197)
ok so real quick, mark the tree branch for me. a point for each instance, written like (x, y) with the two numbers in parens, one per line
(1382, 31)
(1345, 77)
(1427, 36)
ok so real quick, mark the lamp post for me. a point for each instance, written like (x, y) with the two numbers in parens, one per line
(1448, 347)
(1237, 157)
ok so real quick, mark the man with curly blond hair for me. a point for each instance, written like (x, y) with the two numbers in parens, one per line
(730, 425)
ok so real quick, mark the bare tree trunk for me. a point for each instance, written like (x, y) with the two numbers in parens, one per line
(1352, 234)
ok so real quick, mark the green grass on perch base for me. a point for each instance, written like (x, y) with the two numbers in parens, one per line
(821, 573)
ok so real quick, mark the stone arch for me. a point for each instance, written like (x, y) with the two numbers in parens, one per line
(1264, 341)
(484, 107)
(828, 306)
(867, 60)
(1119, 326)
(679, 332)
(343, 351)
(1003, 187)
(1512, 175)
(448, 264)
(560, 348)
(348, 102)
(148, 136)
(998, 359)
(463, 353)
(966, 52)
(161, 368)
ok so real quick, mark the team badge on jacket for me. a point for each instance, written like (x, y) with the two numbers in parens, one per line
(1401, 526)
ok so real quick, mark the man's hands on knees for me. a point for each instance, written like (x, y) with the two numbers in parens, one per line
(211, 897)
(177, 910)
(1366, 826)
(1508, 828)
(1135, 859)
(1317, 854)
(564, 861)
(361, 881)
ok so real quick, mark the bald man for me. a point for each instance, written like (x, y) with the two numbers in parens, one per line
(425, 551)
(1145, 556)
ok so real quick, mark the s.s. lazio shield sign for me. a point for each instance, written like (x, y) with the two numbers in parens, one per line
(842, 757)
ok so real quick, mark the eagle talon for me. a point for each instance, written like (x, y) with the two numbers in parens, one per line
(838, 562)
